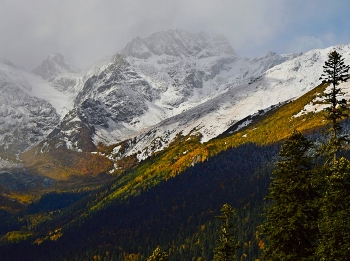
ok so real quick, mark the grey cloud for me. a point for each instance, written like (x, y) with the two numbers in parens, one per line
(86, 30)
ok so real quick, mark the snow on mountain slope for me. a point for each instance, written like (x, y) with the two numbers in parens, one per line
(32, 104)
(283, 82)
(315, 105)
(188, 69)
(25, 114)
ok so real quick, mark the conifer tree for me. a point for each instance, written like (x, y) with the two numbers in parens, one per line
(158, 255)
(334, 72)
(334, 222)
(290, 227)
(227, 244)
(334, 179)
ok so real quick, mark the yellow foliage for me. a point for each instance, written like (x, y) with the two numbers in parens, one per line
(55, 236)
(62, 163)
(131, 257)
(261, 244)
(17, 236)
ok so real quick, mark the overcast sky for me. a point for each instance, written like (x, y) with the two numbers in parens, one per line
(85, 31)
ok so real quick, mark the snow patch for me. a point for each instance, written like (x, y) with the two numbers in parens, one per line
(313, 106)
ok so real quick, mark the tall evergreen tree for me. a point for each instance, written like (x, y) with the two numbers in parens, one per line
(334, 72)
(227, 243)
(290, 227)
(334, 222)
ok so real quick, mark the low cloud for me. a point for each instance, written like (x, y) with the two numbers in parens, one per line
(84, 31)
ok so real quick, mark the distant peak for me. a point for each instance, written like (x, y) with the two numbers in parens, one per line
(57, 57)
(54, 65)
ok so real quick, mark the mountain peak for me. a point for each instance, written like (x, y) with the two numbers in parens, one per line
(54, 65)
(178, 43)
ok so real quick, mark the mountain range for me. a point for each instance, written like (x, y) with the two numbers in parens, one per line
(140, 99)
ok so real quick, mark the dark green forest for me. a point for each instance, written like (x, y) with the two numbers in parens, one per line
(178, 215)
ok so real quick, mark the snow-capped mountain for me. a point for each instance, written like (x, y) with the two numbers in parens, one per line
(283, 82)
(159, 77)
(32, 104)
(168, 83)
(151, 80)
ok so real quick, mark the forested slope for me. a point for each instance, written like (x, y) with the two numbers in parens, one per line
(168, 214)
